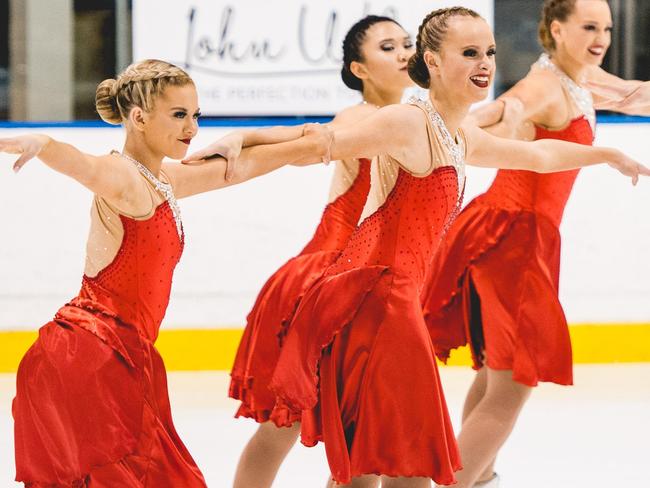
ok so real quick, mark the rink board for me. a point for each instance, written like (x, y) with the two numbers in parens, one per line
(214, 349)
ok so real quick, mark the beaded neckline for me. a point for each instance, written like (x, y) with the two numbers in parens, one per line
(455, 149)
(580, 96)
(165, 189)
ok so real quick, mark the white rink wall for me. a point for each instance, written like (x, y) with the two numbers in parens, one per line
(235, 238)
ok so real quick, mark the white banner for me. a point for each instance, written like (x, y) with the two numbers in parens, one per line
(260, 57)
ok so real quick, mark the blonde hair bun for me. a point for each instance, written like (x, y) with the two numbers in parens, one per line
(137, 86)
(106, 103)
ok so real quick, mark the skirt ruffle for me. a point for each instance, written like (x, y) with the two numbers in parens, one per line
(92, 408)
(493, 286)
(266, 327)
(359, 360)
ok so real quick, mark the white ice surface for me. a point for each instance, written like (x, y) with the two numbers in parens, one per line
(592, 435)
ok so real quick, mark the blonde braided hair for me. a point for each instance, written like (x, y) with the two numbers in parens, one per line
(137, 86)
(431, 33)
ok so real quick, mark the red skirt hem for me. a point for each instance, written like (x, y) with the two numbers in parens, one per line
(267, 325)
(280, 415)
(499, 295)
(360, 354)
(91, 402)
(295, 379)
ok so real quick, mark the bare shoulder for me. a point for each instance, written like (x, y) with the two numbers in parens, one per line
(409, 130)
(119, 165)
(542, 96)
(354, 113)
(405, 123)
(413, 120)
(410, 112)
(537, 83)
(402, 118)
(124, 173)
(401, 112)
(117, 160)
(113, 160)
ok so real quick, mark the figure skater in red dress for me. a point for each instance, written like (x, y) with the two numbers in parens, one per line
(375, 54)
(91, 406)
(494, 282)
(358, 358)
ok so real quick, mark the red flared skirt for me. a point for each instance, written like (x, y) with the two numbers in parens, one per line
(266, 326)
(359, 359)
(494, 285)
(92, 409)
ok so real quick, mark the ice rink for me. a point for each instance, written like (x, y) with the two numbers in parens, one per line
(592, 435)
(258, 64)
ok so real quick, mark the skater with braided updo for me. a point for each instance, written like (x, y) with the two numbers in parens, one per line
(494, 283)
(91, 406)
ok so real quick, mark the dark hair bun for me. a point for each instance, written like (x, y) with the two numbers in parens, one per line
(350, 80)
(418, 71)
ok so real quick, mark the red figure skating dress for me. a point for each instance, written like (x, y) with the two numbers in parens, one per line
(494, 281)
(91, 407)
(268, 320)
(358, 358)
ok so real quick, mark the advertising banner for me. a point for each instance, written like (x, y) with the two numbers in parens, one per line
(260, 57)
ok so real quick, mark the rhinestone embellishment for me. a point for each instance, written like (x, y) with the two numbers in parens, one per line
(455, 150)
(580, 96)
(165, 189)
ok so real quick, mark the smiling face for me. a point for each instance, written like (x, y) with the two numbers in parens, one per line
(586, 34)
(385, 51)
(464, 68)
(172, 123)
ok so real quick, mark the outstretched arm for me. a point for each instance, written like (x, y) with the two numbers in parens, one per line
(610, 92)
(386, 131)
(395, 130)
(230, 146)
(106, 176)
(544, 155)
(191, 179)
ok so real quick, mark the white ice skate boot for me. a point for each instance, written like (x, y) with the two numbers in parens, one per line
(491, 483)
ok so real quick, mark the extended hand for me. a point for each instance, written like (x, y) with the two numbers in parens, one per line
(229, 147)
(629, 167)
(630, 97)
(28, 146)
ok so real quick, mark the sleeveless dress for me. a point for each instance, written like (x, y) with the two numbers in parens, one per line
(494, 281)
(267, 323)
(91, 407)
(358, 358)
